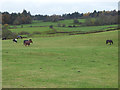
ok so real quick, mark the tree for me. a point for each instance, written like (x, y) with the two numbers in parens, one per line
(63, 25)
(16, 19)
(6, 18)
(51, 26)
(8, 34)
(76, 21)
(24, 12)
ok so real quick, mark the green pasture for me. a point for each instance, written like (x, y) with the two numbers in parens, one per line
(65, 29)
(70, 21)
(41, 23)
(42, 28)
(75, 61)
(36, 23)
(31, 29)
(86, 28)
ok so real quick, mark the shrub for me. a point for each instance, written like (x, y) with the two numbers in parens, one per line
(21, 26)
(8, 34)
(63, 25)
(70, 26)
(74, 26)
(5, 26)
(76, 21)
(0, 26)
(102, 20)
(36, 32)
(59, 25)
(90, 22)
(51, 26)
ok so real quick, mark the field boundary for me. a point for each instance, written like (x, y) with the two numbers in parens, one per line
(79, 32)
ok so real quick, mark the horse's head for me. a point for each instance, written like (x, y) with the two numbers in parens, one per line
(30, 40)
(107, 41)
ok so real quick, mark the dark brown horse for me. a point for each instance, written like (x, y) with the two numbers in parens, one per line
(109, 41)
(27, 42)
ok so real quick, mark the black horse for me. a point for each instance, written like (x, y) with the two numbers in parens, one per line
(19, 37)
(109, 41)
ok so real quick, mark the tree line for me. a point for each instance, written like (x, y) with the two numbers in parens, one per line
(16, 18)
(92, 18)
(103, 18)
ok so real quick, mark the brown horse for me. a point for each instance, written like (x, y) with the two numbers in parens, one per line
(27, 42)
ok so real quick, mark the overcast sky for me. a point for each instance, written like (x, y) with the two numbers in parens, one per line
(50, 7)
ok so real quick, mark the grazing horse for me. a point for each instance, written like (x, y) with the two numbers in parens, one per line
(19, 37)
(109, 41)
(15, 40)
(27, 42)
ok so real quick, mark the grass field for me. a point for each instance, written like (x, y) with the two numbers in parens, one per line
(86, 28)
(45, 31)
(41, 29)
(75, 61)
(41, 23)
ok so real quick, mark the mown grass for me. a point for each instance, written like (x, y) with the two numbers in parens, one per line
(77, 61)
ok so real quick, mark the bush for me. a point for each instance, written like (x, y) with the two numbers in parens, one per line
(90, 22)
(8, 34)
(5, 26)
(51, 26)
(74, 26)
(21, 26)
(76, 21)
(59, 25)
(101, 20)
(0, 26)
(23, 33)
(36, 32)
(63, 25)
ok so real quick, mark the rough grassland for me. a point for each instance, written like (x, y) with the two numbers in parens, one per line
(76, 61)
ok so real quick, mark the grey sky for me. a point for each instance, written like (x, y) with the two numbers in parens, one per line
(50, 7)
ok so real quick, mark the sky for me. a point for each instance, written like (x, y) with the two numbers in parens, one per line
(59, 7)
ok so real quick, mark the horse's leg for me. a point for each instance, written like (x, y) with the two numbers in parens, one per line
(110, 43)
